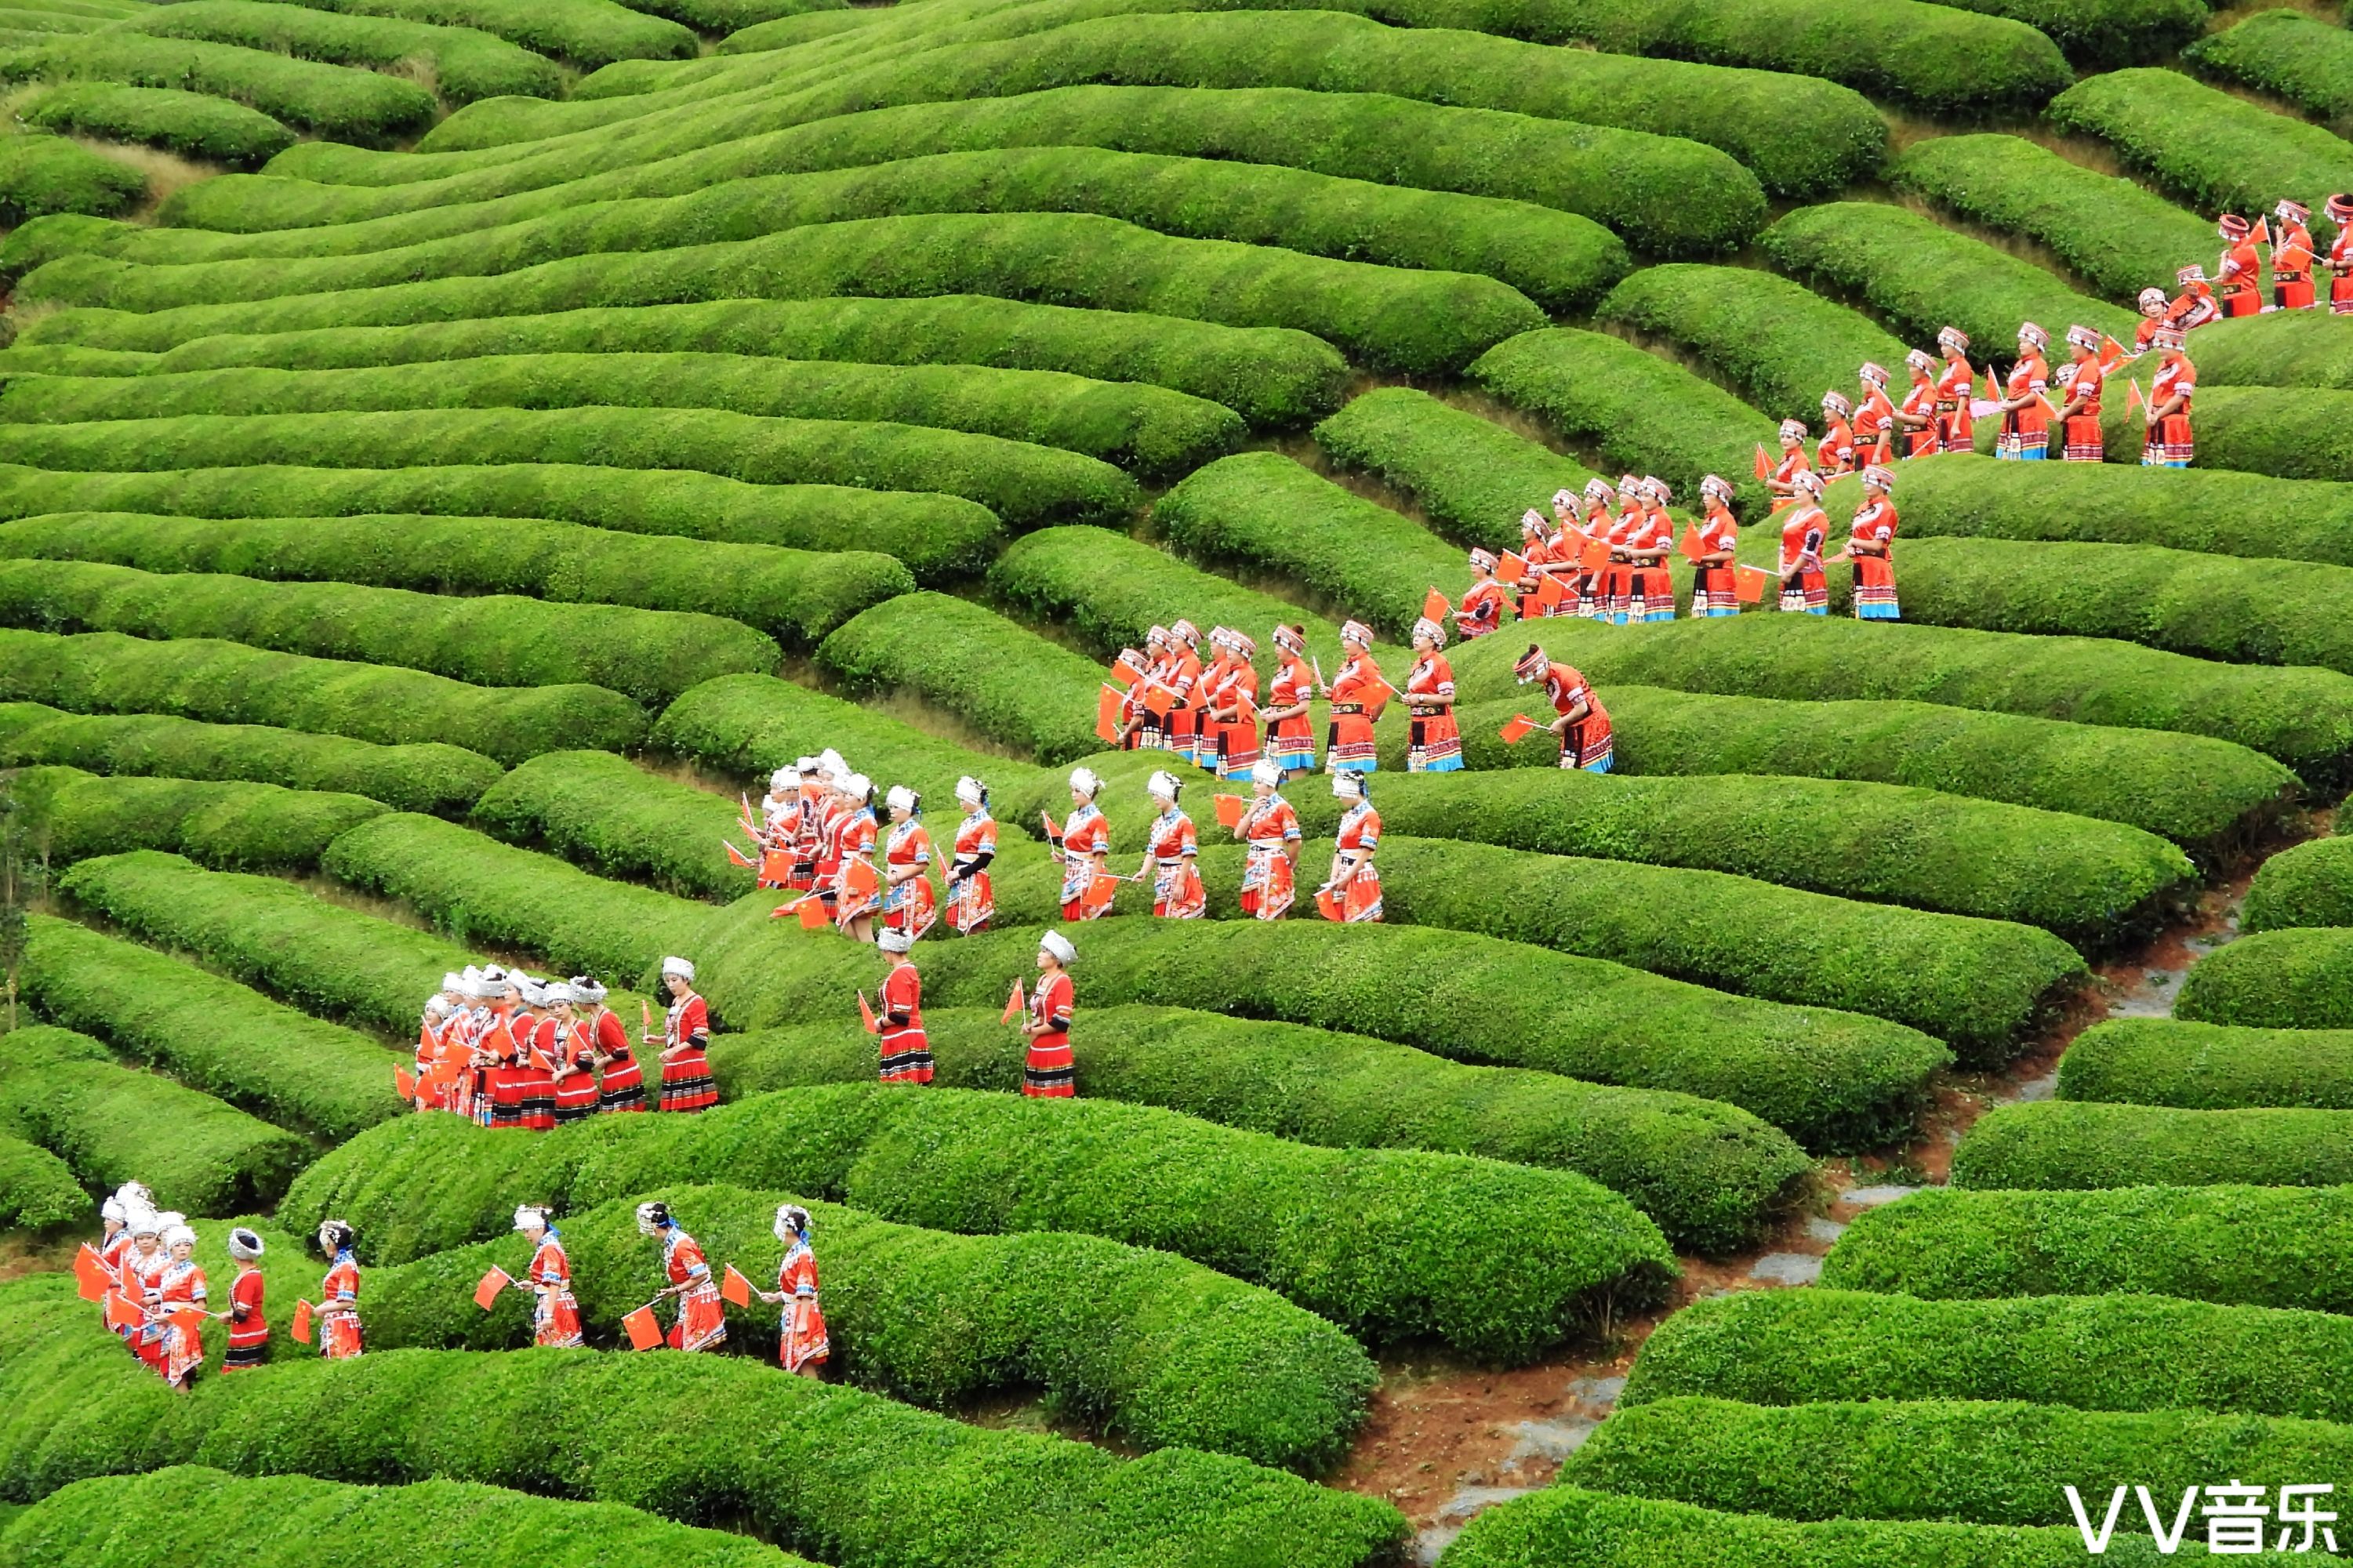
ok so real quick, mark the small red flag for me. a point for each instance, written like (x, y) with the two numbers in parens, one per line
(1993, 387)
(1748, 584)
(404, 1083)
(1764, 466)
(1434, 606)
(1511, 566)
(1229, 810)
(1158, 700)
(1100, 891)
(300, 1327)
(1013, 1003)
(90, 1273)
(644, 1330)
(811, 909)
(1124, 671)
(1595, 556)
(1245, 709)
(2132, 398)
(736, 857)
(1691, 546)
(2263, 235)
(485, 1293)
(1110, 701)
(190, 1320)
(120, 1313)
(866, 1016)
(1327, 904)
(1548, 594)
(1054, 829)
(734, 1287)
(1518, 727)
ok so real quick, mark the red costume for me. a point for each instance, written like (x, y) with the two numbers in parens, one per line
(686, 1082)
(180, 1289)
(1802, 584)
(1712, 587)
(906, 1049)
(1360, 897)
(339, 1309)
(249, 1331)
(909, 905)
(1920, 402)
(1874, 423)
(1269, 827)
(1292, 742)
(555, 1313)
(1175, 850)
(2083, 378)
(800, 1336)
(702, 1322)
(1588, 745)
(624, 1085)
(2168, 443)
(1357, 701)
(1048, 1073)
(2241, 274)
(576, 1096)
(1085, 836)
(972, 898)
(535, 1073)
(1956, 387)
(2340, 260)
(1482, 610)
(1834, 453)
(2026, 431)
(1875, 575)
(2292, 258)
(1234, 688)
(1434, 741)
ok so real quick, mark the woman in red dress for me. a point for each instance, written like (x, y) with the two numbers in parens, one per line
(538, 1041)
(1834, 453)
(854, 840)
(574, 1054)
(1870, 544)
(139, 1281)
(802, 1347)
(1083, 848)
(1353, 885)
(1357, 700)
(906, 1049)
(339, 1292)
(180, 1289)
(1434, 743)
(1482, 610)
(1874, 415)
(780, 827)
(1582, 724)
(1048, 1073)
(972, 898)
(1172, 855)
(686, 1083)
(1714, 586)
(2339, 208)
(1783, 480)
(1956, 388)
(1270, 830)
(622, 1089)
(1231, 707)
(1804, 590)
(1291, 734)
(1916, 416)
(555, 1311)
(702, 1322)
(909, 903)
(249, 1331)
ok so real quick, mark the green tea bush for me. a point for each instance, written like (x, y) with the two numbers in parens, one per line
(1109, 590)
(1565, 1526)
(2200, 144)
(41, 175)
(1271, 375)
(2211, 797)
(111, 1124)
(434, 777)
(1921, 277)
(1500, 1261)
(2093, 1353)
(1027, 486)
(192, 124)
(1391, 317)
(2300, 977)
(2114, 235)
(723, 17)
(465, 64)
(2302, 716)
(2308, 885)
(130, 1521)
(795, 596)
(1637, 410)
(1147, 1347)
(492, 639)
(1472, 477)
(38, 1190)
(2283, 1245)
(230, 683)
(2189, 601)
(793, 1458)
(226, 825)
(1972, 1462)
(934, 535)
(1680, 197)
(618, 820)
(2278, 348)
(1561, 260)
(2210, 510)
(326, 100)
(1271, 514)
(1147, 427)
(999, 677)
(1833, 1080)
(2287, 56)
(482, 891)
(587, 32)
(1711, 1175)
(2286, 432)
(323, 957)
(2209, 1067)
(2103, 34)
(1775, 343)
(211, 1033)
(2074, 1144)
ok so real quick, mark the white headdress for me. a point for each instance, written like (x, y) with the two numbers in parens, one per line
(890, 940)
(587, 990)
(792, 1220)
(1057, 944)
(901, 798)
(829, 764)
(531, 1216)
(859, 787)
(1266, 771)
(678, 967)
(1426, 627)
(1164, 785)
(1793, 430)
(1348, 784)
(971, 791)
(178, 1235)
(244, 1245)
(1809, 480)
(1086, 781)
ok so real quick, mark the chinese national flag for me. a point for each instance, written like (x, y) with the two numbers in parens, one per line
(1013, 1003)
(735, 1288)
(1245, 711)
(1054, 829)
(736, 857)
(300, 1327)
(644, 1330)
(1109, 702)
(1327, 904)
(1548, 594)
(1595, 556)
(90, 1273)
(1691, 547)
(1764, 466)
(1993, 387)
(866, 1016)
(1748, 584)
(1158, 700)
(2132, 398)
(1100, 891)
(487, 1293)
(859, 882)
(1229, 810)
(1514, 731)
(1434, 606)
(190, 1320)
(1125, 672)
(811, 909)
(2263, 235)
(120, 1313)
(1510, 567)
(404, 1083)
